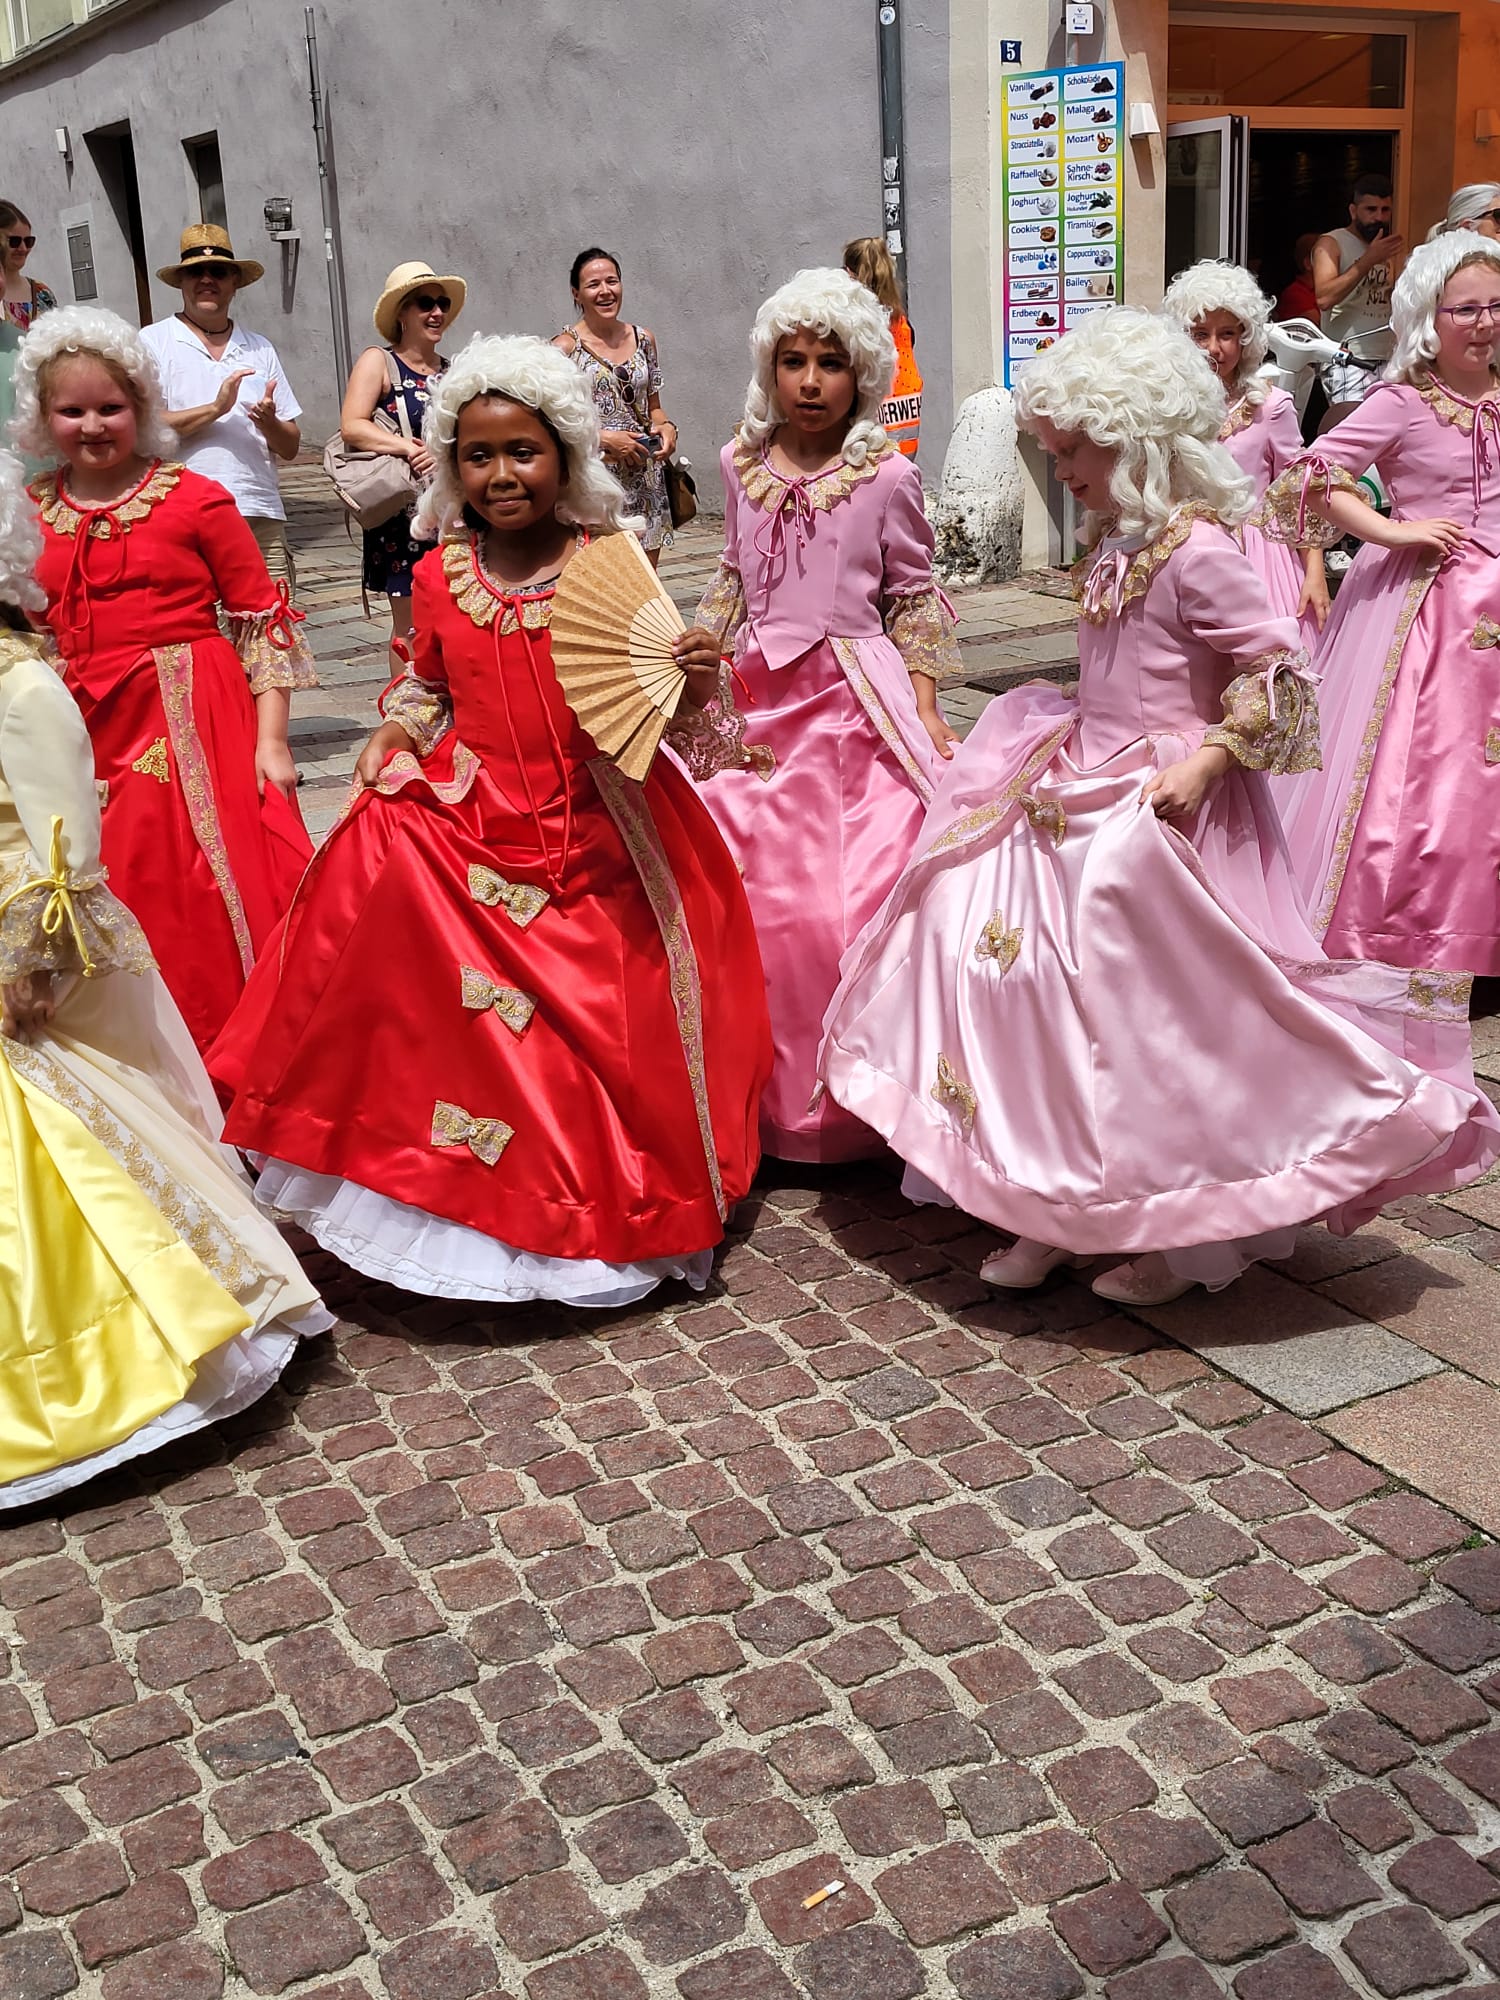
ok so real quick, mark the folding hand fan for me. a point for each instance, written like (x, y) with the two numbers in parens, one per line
(612, 630)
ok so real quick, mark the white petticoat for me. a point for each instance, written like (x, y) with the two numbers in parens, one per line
(405, 1246)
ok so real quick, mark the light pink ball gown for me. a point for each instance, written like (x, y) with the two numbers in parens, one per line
(1112, 1033)
(1397, 842)
(826, 585)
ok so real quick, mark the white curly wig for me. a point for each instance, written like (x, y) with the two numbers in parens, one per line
(1137, 385)
(1419, 293)
(20, 539)
(525, 370)
(830, 303)
(1216, 286)
(1466, 206)
(88, 330)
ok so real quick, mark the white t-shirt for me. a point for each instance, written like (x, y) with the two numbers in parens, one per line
(230, 449)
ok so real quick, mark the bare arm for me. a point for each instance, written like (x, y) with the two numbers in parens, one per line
(1331, 284)
(368, 381)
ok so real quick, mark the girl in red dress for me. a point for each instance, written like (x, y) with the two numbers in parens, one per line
(202, 837)
(512, 1040)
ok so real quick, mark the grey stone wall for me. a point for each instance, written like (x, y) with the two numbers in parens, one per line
(714, 148)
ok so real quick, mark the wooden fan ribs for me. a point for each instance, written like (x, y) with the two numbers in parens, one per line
(612, 632)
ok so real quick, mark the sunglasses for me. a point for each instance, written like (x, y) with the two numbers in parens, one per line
(430, 301)
(21, 242)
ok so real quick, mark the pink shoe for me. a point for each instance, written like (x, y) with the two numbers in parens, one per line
(1142, 1281)
(1024, 1265)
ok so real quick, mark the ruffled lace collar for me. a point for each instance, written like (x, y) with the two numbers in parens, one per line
(65, 516)
(1240, 417)
(1133, 568)
(481, 596)
(1448, 406)
(772, 490)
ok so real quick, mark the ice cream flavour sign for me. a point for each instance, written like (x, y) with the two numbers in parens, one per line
(1063, 202)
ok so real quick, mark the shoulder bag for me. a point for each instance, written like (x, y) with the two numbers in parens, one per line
(375, 486)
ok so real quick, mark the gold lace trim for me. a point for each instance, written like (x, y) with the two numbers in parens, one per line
(846, 652)
(980, 819)
(950, 1088)
(197, 1225)
(480, 598)
(422, 708)
(522, 902)
(1439, 996)
(770, 490)
(1354, 800)
(1046, 816)
(1144, 563)
(64, 517)
(721, 608)
(480, 994)
(486, 1138)
(1284, 743)
(1486, 634)
(1492, 746)
(153, 763)
(1447, 407)
(920, 629)
(404, 769)
(999, 943)
(1241, 416)
(174, 674)
(627, 807)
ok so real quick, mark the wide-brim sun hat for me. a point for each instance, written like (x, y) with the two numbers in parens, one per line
(203, 246)
(399, 286)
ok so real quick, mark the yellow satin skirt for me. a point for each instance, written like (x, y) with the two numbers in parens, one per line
(105, 1311)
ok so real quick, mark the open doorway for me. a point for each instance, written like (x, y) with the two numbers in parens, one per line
(1299, 183)
(113, 151)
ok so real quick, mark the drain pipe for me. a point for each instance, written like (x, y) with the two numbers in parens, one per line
(338, 304)
(892, 134)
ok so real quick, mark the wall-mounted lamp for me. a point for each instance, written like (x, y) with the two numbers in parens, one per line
(1143, 120)
(278, 214)
(1486, 126)
(63, 141)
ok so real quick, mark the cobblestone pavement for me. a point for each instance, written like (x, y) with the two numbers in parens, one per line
(555, 1657)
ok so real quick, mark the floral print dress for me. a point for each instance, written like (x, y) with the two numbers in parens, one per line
(623, 395)
(390, 551)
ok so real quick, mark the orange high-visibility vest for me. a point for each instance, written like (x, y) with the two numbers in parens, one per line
(901, 412)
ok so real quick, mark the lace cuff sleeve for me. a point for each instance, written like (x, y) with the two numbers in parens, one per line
(1286, 514)
(422, 708)
(272, 651)
(1271, 716)
(52, 920)
(721, 610)
(922, 628)
(712, 739)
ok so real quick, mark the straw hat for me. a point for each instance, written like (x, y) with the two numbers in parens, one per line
(204, 245)
(399, 286)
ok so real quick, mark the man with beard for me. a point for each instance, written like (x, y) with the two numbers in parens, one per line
(1353, 270)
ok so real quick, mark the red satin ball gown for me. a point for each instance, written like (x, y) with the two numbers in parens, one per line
(133, 590)
(512, 1040)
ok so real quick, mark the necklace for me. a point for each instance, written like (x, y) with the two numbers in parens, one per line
(209, 332)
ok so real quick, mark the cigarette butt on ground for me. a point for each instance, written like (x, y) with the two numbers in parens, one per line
(821, 1895)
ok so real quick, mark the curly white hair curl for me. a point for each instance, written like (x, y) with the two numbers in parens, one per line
(1138, 386)
(88, 330)
(1419, 293)
(521, 369)
(20, 539)
(1216, 286)
(830, 303)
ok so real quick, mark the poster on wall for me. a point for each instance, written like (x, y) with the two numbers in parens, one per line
(1062, 203)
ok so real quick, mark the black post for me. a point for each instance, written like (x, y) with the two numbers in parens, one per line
(892, 134)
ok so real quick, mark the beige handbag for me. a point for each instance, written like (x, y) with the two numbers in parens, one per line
(375, 486)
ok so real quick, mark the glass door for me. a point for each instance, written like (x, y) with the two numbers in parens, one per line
(1207, 190)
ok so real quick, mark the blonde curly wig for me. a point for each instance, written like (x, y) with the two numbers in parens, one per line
(20, 539)
(88, 330)
(1216, 286)
(525, 370)
(1138, 386)
(1419, 293)
(833, 304)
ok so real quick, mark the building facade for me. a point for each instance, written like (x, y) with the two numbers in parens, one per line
(713, 149)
